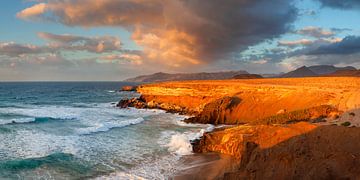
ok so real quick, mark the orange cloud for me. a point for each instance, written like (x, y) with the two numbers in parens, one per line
(34, 11)
(178, 33)
(296, 42)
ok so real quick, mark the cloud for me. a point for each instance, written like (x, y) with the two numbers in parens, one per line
(91, 44)
(348, 45)
(13, 49)
(58, 43)
(33, 11)
(341, 4)
(315, 32)
(300, 42)
(120, 58)
(179, 32)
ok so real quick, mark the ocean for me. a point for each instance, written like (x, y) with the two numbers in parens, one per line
(72, 130)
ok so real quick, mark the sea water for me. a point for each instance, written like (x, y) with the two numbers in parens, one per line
(73, 130)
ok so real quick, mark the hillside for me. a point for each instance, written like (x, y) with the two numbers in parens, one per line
(328, 69)
(160, 77)
(345, 73)
(318, 70)
(300, 72)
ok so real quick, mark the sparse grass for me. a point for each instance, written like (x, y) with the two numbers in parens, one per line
(346, 124)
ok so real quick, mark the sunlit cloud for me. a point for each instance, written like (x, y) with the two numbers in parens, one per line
(315, 32)
(178, 33)
(296, 42)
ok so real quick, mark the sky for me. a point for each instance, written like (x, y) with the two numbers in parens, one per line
(111, 40)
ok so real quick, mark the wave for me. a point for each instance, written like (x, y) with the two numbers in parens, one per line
(106, 126)
(179, 143)
(65, 163)
(30, 120)
(32, 163)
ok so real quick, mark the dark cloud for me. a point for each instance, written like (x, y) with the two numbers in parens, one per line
(349, 45)
(178, 32)
(341, 4)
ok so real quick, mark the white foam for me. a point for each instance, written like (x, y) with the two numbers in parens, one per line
(179, 143)
(36, 144)
(106, 126)
(120, 176)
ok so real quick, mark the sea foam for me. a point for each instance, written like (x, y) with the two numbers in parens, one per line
(106, 126)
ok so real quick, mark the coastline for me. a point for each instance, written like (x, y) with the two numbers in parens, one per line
(260, 105)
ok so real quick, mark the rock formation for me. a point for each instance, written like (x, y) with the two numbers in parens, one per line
(128, 88)
(272, 144)
(298, 151)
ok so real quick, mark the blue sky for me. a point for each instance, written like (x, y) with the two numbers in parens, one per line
(58, 40)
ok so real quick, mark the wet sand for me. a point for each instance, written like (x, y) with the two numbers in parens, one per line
(205, 166)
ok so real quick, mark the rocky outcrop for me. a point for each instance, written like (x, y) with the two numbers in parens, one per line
(297, 151)
(216, 112)
(134, 102)
(128, 88)
(144, 102)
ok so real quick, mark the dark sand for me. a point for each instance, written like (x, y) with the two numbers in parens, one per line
(205, 166)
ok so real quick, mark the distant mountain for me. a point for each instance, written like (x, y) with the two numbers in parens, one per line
(345, 73)
(160, 76)
(248, 76)
(300, 72)
(328, 69)
(319, 70)
(274, 75)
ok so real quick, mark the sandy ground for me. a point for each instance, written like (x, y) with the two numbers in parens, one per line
(349, 118)
(205, 166)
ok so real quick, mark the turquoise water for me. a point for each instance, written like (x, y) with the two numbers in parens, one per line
(74, 131)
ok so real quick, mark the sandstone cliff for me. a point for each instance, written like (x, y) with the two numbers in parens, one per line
(297, 151)
(247, 101)
(273, 144)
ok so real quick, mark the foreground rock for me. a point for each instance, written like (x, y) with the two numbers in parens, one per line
(298, 151)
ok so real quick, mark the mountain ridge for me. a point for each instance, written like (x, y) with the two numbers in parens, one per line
(161, 76)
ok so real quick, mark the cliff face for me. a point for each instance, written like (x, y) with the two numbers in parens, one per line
(270, 146)
(247, 101)
(300, 151)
